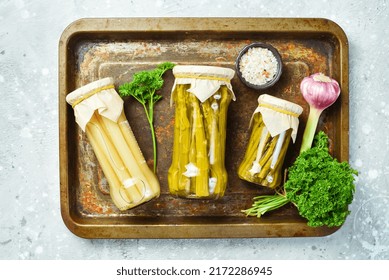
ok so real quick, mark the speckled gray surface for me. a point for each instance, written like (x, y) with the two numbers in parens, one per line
(30, 222)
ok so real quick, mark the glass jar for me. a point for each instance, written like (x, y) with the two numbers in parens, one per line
(274, 123)
(98, 110)
(201, 95)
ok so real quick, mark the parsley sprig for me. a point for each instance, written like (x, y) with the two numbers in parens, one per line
(143, 88)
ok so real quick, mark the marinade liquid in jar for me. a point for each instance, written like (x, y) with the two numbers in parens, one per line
(201, 95)
(274, 123)
(98, 110)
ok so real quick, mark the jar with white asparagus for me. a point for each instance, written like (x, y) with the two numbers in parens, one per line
(98, 110)
(274, 123)
(201, 95)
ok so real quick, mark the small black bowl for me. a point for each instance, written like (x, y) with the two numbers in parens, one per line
(276, 55)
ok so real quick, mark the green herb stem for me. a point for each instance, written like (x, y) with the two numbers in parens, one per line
(150, 120)
(154, 146)
(266, 203)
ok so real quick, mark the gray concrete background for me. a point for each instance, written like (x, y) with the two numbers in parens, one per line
(30, 222)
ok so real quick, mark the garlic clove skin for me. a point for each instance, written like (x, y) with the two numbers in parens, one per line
(320, 91)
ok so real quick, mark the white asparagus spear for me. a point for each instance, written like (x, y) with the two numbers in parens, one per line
(113, 174)
(133, 144)
(134, 191)
(124, 152)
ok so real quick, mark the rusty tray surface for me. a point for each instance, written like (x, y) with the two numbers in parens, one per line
(90, 49)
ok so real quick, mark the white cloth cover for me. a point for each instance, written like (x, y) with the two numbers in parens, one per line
(204, 80)
(276, 121)
(108, 102)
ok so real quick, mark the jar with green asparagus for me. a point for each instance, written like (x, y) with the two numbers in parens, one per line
(201, 95)
(274, 123)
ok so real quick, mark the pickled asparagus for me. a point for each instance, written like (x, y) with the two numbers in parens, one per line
(130, 164)
(197, 168)
(98, 110)
(106, 164)
(201, 95)
(129, 137)
(178, 182)
(225, 99)
(211, 113)
(124, 192)
(264, 155)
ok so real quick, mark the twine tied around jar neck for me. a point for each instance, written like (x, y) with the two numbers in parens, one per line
(278, 115)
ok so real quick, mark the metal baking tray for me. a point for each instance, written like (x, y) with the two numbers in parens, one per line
(90, 49)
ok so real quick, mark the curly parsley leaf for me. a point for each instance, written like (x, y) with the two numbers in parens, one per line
(320, 186)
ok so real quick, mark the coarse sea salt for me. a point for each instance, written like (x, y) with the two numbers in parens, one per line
(258, 66)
